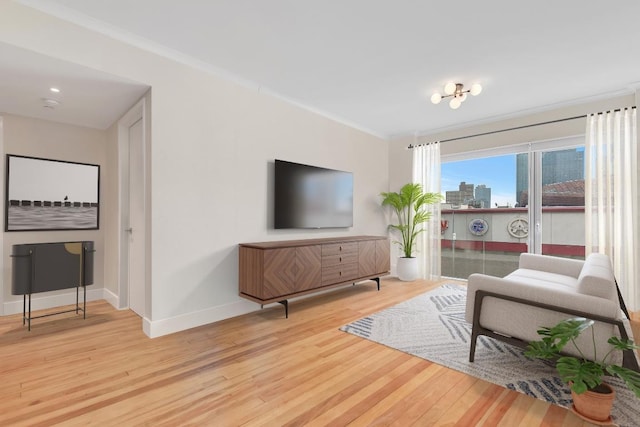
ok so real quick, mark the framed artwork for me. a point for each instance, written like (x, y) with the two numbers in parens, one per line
(45, 194)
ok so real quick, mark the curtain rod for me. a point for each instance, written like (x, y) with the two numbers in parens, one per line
(514, 128)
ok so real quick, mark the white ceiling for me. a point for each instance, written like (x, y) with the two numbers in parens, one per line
(86, 98)
(374, 64)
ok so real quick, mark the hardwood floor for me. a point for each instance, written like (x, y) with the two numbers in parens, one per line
(259, 369)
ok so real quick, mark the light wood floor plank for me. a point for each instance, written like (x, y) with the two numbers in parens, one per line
(258, 369)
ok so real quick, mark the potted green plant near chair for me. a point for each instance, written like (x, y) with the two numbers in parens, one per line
(592, 398)
(410, 206)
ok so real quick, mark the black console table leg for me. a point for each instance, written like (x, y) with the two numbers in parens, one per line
(286, 307)
(29, 318)
(377, 280)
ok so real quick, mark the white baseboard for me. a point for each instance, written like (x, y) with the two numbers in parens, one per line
(41, 301)
(158, 328)
(111, 298)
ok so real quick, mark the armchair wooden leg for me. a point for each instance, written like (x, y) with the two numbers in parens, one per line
(472, 350)
(475, 328)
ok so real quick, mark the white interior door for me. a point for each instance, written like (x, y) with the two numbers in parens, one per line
(135, 228)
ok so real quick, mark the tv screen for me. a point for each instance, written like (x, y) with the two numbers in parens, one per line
(312, 197)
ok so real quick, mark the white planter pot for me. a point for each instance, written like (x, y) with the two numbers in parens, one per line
(407, 269)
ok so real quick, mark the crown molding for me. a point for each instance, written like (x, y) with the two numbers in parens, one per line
(70, 15)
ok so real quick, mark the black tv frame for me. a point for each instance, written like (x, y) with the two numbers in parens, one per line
(280, 224)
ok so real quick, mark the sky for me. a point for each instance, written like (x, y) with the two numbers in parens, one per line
(46, 180)
(497, 173)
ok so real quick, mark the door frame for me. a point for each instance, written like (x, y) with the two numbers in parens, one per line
(2, 190)
(136, 113)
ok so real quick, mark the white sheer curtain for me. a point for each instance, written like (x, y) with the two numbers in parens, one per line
(611, 196)
(426, 171)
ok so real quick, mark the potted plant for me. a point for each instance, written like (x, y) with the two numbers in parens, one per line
(410, 207)
(592, 398)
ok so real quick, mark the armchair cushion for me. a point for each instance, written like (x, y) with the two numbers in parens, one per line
(563, 266)
(544, 279)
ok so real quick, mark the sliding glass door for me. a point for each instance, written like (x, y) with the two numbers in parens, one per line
(497, 206)
(483, 228)
(559, 208)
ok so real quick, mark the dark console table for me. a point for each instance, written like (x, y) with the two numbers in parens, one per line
(43, 267)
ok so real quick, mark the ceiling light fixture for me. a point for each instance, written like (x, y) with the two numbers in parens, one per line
(50, 103)
(54, 89)
(458, 94)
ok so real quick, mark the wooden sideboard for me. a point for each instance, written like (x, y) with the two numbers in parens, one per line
(275, 271)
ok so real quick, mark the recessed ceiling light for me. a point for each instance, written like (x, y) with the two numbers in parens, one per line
(54, 89)
(49, 101)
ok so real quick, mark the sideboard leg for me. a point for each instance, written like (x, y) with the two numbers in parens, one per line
(377, 280)
(286, 307)
(24, 309)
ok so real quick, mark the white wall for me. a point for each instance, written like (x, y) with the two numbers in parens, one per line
(212, 146)
(212, 171)
(39, 138)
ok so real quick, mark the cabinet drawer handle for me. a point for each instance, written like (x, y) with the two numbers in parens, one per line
(340, 273)
(340, 248)
(340, 259)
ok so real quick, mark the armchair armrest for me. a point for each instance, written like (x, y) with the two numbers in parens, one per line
(551, 264)
(538, 294)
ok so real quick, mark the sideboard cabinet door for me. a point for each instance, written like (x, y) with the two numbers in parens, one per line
(308, 267)
(383, 256)
(367, 258)
(279, 272)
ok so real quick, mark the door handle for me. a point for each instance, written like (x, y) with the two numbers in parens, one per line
(129, 230)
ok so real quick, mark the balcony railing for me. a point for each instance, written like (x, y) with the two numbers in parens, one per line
(490, 241)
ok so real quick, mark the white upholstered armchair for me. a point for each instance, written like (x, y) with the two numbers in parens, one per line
(543, 291)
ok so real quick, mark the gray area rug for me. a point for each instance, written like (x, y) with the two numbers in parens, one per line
(432, 326)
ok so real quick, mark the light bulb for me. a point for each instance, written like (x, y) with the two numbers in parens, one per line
(475, 89)
(454, 103)
(449, 88)
(462, 97)
(436, 98)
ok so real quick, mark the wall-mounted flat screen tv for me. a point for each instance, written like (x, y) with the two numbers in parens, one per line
(312, 197)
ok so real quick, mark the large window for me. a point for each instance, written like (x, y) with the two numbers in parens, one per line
(522, 199)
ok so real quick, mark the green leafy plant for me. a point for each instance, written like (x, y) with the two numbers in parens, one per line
(581, 373)
(410, 207)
